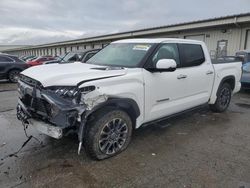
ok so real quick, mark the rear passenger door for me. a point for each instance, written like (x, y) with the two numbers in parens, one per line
(198, 71)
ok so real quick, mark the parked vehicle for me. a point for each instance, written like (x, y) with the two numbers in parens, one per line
(22, 57)
(70, 57)
(245, 79)
(245, 55)
(128, 84)
(10, 67)
(40, 60)
(30, 57)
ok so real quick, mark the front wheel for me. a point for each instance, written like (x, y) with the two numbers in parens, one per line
(14, 75)
(223, 98)
(108, 134)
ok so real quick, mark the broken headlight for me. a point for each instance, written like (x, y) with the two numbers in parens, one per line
(73, 93)
(67, 92)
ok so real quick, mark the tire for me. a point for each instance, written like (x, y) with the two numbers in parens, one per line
(13, 76)
(108, 134)
(223, 98)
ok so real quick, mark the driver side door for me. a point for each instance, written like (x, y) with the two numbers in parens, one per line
(165, 91)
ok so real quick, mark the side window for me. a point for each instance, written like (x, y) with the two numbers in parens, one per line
(191, 55)
(74, 58)
(166, 51)
(4, 59)
(88, 56)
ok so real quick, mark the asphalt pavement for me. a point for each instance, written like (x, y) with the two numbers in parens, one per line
(198, 149)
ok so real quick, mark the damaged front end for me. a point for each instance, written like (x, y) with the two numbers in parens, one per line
(55, 110)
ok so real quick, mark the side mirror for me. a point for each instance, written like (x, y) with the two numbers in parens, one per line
(166, 65)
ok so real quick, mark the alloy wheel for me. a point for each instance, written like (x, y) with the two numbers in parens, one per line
(113, 136)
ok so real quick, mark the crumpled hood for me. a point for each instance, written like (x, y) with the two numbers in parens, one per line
(69, 74)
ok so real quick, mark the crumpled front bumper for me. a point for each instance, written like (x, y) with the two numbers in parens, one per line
(47, 112)
(45, 128)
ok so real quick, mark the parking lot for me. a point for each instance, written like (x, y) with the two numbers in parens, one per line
(198, 149)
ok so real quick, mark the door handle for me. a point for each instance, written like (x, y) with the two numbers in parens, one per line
(181, 76)
(209, 72)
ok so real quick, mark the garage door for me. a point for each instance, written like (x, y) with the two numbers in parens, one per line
(248, 40)
(196, 37)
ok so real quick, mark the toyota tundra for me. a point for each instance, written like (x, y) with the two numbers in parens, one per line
(129, 83)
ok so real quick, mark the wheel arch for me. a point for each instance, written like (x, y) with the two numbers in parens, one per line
(228, 79)
(126, 104)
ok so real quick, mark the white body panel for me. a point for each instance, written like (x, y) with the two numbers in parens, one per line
(222, 71)
(68, 74)
(157, 94)
(172, 95)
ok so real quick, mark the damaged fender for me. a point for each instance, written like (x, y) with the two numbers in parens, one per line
(94, 98)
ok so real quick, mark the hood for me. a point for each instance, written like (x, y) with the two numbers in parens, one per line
(69, 74)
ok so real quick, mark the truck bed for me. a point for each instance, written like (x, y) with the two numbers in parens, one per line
(226, 59)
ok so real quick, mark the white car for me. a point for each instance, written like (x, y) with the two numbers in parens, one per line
(128, 84)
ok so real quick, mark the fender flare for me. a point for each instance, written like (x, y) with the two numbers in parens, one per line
(231, 77)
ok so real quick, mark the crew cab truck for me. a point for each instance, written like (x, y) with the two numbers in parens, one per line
(127, 84)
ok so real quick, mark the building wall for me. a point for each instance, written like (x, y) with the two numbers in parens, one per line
(7, 47)
(237, 37)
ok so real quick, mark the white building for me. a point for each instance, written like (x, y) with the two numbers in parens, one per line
(223, 36)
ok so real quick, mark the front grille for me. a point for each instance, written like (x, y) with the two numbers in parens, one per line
(37, 105)
(29, 80)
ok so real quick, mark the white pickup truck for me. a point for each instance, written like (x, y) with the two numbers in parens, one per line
(128, 84)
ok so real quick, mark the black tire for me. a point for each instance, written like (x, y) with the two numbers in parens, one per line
(13, 76)
(223, 98)
(100, 143)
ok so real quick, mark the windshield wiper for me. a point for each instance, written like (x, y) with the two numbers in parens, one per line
(114, 68)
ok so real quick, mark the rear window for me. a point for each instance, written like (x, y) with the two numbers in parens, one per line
(191, 55)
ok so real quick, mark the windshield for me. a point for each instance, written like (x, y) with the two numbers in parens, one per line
(121, 54)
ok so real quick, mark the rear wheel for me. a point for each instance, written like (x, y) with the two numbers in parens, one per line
(14, 75)
(223, 98)
(108, 134)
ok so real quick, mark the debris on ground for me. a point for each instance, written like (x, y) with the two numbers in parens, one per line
(3, 144)
(182, 133)
(15, 153)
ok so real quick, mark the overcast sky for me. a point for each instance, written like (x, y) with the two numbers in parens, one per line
(43, 21)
